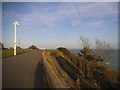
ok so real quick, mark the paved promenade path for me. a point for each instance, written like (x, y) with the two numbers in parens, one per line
(23, 71)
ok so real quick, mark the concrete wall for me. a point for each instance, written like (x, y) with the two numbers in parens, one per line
(50, 78)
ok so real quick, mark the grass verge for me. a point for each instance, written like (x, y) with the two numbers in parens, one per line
(9, 52)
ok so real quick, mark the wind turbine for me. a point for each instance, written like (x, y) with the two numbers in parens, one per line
(15, 24)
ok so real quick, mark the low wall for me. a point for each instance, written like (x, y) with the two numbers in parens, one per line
(50, 78)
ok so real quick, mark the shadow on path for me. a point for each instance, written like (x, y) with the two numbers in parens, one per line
(39, 76)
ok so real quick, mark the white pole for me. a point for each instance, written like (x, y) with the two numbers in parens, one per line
(15, 24)
(15, 40)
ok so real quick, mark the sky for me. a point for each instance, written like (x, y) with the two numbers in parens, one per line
(59, 24)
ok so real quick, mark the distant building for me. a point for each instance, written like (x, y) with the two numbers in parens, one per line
(33, 47)
(1, 46)
(18, 47)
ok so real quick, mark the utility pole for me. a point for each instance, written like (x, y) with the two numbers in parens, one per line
(25, 46)
(19, 42)
(15, 24)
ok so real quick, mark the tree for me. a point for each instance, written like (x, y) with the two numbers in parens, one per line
(103, 49)
(85, 42)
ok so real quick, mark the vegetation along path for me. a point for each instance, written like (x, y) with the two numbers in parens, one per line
(23, 71)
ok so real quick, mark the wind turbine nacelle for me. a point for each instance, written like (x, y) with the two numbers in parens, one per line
(17, 23)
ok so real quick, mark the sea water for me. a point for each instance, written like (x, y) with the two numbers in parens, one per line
(111, 62)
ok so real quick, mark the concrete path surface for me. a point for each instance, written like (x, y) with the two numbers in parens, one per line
(22, 71)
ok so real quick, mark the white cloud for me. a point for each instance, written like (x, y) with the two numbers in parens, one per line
(50, 15)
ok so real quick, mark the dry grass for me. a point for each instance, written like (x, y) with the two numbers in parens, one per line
(95, 74)
(79, 72)
(57, 69)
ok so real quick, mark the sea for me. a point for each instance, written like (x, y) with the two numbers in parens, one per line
(111, 62)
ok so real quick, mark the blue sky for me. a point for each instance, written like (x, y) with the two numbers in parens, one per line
(52, 25)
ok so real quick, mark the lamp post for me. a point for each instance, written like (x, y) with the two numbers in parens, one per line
(15, 24)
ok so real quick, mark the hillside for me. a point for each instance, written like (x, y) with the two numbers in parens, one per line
(78, 72)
